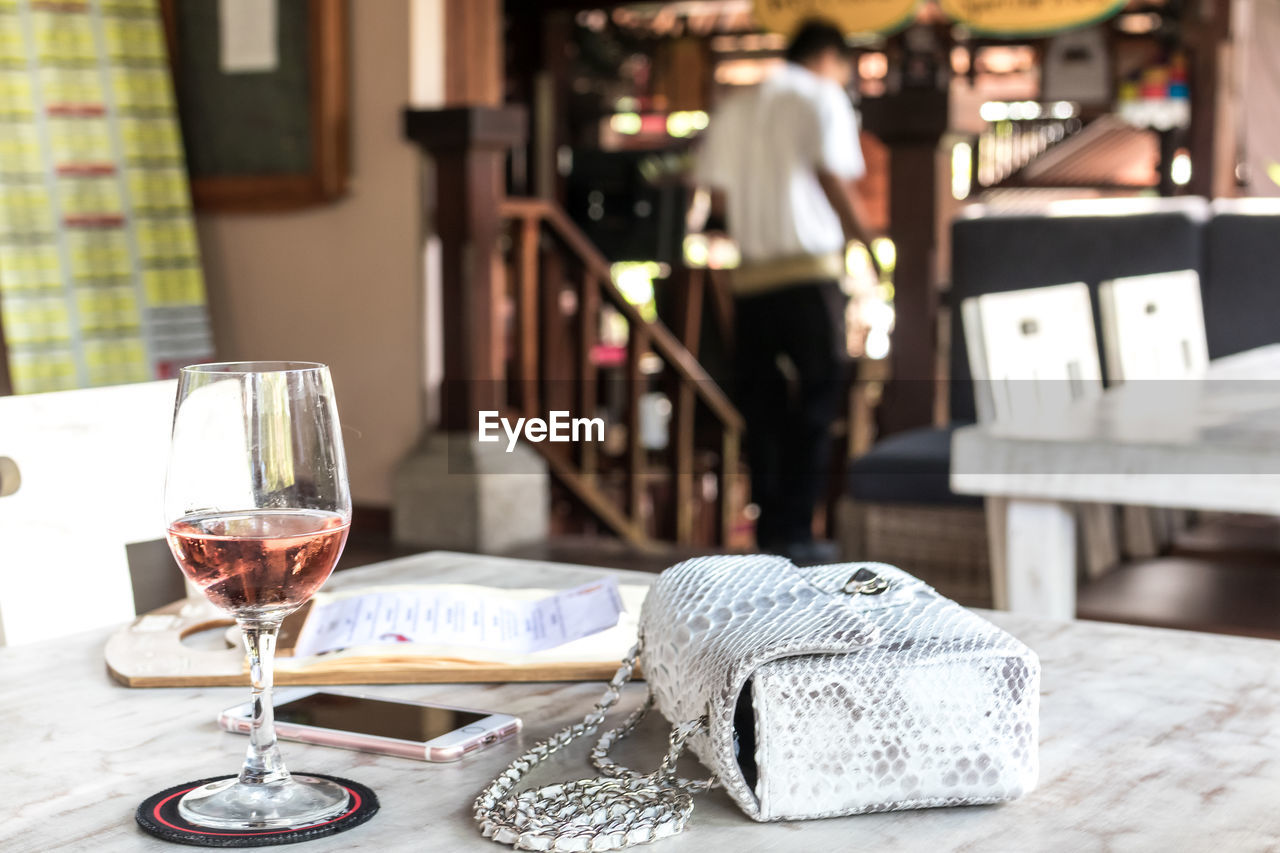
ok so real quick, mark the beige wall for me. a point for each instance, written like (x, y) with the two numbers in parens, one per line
(341, 283)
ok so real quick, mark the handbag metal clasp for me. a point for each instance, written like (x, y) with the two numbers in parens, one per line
(865, 582)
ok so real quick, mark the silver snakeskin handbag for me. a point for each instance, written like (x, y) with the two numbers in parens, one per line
(808, 693)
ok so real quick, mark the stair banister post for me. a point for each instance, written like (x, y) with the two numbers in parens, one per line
(454, 491)
(469, 147)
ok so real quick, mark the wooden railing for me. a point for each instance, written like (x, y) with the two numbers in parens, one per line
(1005, 149)
(558, 284)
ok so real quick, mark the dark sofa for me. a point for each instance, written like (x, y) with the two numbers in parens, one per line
(901, 487)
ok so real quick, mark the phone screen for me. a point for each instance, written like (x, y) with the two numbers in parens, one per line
(400, 720)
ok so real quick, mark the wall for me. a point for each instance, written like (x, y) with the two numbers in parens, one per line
(1257, 91)
(341, 283)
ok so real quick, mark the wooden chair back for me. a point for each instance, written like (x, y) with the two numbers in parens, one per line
(1031, 351)
(92, 465)
(1153, 326)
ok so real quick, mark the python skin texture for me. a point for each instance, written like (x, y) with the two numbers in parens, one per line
(851, 701)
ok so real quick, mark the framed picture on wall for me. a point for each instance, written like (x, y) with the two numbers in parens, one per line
(262, 88)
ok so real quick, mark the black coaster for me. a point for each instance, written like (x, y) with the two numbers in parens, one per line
(159, 816)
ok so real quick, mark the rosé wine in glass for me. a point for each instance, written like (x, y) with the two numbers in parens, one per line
(260, 561)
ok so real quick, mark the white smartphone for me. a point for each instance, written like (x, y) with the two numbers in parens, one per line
(376, 724)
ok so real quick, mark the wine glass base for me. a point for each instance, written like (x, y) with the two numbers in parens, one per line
(291, 803)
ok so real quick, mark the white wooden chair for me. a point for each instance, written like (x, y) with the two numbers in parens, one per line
(1152, 329)
(86, 476)
(1032, 352)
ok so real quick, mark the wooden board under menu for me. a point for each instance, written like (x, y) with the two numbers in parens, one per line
(151, 652)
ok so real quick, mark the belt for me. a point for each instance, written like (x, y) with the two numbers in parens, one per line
(776, 273)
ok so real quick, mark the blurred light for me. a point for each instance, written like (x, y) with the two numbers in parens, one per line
(653, 123)
(992, 111)
(877, 346)
(651, 269)
(650, 364)
(699, 211)
(745, 72)
(593, 19)
(1063, 109)
(1022, 110)
(626, 104)
(665, 21)
(723, 254)
(873, 66)
(635, 280)
(628, 124)
(748, 42)
(886, 254)
(880, 317)
(655, 413)
(961, 170)
(697, 250)
(1138, 23)
(613, 326)
(1006, 59)
(960, 60)
(1180, 168)
(682, 124)
(856, 260)
(651, 168)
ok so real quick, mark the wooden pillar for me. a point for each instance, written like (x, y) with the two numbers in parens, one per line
(473, 52)
(1169, 140)
(1211, 136)
(469, 146)
(454, 491)
(911, 123)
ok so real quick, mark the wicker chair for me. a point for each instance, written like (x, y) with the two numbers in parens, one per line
(899, 511)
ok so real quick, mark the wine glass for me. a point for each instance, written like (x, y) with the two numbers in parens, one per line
(258, 511)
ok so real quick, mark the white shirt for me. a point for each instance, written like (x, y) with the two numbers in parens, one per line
(763, 148)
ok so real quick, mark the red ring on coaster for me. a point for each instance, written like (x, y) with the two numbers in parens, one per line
(158, 815)
(155, 813)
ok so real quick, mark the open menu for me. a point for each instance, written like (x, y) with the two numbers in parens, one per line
(388, 626)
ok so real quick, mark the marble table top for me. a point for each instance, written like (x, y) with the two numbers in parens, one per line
(1208, 443)
(1151, 740)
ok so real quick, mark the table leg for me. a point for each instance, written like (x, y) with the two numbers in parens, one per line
(1039, 558)
(996, 509)
(1144, 531)
(1101, 539)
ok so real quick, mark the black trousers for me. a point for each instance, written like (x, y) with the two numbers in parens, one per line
(789, 417)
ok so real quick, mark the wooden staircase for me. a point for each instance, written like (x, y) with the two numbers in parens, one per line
(558, 291)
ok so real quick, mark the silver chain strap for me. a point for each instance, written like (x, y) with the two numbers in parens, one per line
(624, 808)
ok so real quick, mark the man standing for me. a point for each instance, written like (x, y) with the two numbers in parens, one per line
(780, 160)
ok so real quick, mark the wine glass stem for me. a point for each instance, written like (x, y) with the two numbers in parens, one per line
(262, 760)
